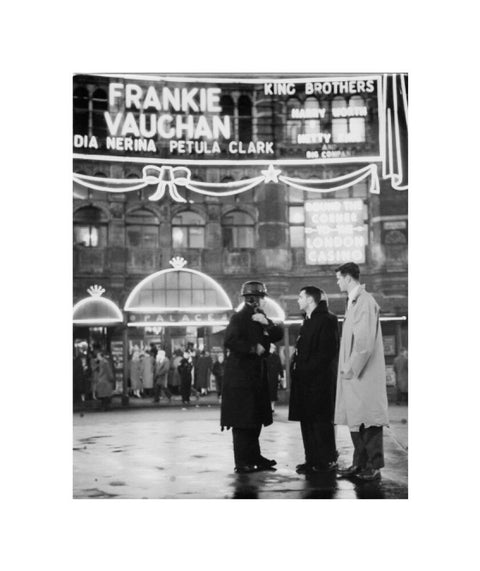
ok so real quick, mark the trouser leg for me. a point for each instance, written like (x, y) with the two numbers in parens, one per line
(368, 444)
(246, 447)
(359, 452)
(307, 443)
(373, 441)
(319, 442)
(156, 392)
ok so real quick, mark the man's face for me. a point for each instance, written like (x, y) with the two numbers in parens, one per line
(261, 302)
(342, 281)
(302, 300)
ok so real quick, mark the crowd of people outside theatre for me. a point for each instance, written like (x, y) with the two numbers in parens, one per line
(153, 374)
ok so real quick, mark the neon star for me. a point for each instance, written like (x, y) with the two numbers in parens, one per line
(271, 174)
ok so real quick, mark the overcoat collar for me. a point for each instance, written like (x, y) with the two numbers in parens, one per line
(358, 293)
(321, 308)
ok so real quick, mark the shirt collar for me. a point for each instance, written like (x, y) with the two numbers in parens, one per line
(353, 294)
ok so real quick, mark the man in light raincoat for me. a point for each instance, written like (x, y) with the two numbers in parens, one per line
(361, 401)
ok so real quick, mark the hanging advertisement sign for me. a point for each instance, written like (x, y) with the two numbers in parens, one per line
(185, 120)
(335, 231)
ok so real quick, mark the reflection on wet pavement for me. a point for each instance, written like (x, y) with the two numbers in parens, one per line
(175, 454)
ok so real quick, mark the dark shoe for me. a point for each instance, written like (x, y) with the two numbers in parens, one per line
(349, 472)
(302, 468)
(265, 462)
(369, 475)
(247, 469)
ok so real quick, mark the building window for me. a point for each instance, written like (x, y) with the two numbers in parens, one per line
(294, 125)
(296, 220)
(188, 230)
(142, 229)
(244, 119)
(89, 228)
(348, 120)
(99, 106)
(312, 121)
(238, 230)
(80, 111)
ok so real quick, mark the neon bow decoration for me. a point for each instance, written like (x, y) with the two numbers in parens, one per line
(168, 178)
(395, 116)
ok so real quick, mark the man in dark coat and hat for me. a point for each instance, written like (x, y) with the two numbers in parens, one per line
(313, 381)
(245, 397)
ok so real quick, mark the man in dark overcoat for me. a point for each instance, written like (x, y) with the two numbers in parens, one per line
(245, 397)
(313, 381)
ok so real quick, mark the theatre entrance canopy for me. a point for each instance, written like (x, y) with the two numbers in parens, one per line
(96, 311)
(178, 297)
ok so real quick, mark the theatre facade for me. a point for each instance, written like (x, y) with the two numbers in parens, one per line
(187, 186)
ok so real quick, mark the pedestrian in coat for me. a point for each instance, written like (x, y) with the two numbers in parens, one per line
(81, 373)
(185, 372)
(162, 367)
(105, 380)
(361, 401)
(203, 370)
(173, 374)
(147, 369)
(313, 380)
(274, 373)
(135, 374)
(218, 371)
(400, 366)
(245, 396)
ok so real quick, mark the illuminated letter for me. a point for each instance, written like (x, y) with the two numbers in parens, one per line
(133, 93)
(114, 91)
(130, 126)
(370, 86)
(213, 99)
(171, 99)
(151, 99)
(202, 129)
(221, 125)
(308, 88)
(267, 88)
(187, 99)
(162, 128)
(113, 125)
(143, 127)
(78, 140)
(184, 126)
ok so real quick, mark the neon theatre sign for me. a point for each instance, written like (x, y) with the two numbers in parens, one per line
(171, 124)
(217, 121)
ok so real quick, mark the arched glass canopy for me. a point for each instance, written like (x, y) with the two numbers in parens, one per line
(178, 289)
(96, 310)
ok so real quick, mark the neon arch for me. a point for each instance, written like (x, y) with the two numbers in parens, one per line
(272, 309)
(96, 310)
(153, 292)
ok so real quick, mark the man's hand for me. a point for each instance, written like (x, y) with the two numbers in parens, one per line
(260, 318)
(260, 350)
(346, 375)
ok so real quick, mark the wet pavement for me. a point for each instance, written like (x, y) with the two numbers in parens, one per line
(170, 452)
